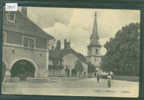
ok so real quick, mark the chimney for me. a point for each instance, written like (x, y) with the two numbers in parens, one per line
(24, 11)
(65, 43)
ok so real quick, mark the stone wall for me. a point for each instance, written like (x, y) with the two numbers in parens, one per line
(39, 58)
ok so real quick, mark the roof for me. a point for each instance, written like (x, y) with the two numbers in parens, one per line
(24, 25)
(94, 37)
(63, 52)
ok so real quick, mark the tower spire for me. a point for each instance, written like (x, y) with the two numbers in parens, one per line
(94, 46)
(94, 37)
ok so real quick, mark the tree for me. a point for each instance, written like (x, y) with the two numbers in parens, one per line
(123, 51)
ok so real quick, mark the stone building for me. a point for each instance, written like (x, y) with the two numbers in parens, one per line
(25, 46)
(94, 56)
(72, 63)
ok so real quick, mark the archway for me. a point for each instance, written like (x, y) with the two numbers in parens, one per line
(23, 69)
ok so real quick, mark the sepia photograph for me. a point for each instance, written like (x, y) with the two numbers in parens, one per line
(71, 52)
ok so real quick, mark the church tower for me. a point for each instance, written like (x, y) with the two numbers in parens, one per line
(94, 46)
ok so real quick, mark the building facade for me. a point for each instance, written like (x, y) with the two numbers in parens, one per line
(67, 62)
(25, 47)
(74, 65)
(94, 56)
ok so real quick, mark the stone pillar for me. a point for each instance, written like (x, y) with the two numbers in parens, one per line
(47, 61)
(70, 72)
(41, 75)
(7, 76)
(45, 74)
(86, 74)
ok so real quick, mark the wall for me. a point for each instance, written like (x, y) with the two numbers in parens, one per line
(94, 58)
(92, 51)
(70, 60)
(38, 57)
(13, 50)
(16, 38)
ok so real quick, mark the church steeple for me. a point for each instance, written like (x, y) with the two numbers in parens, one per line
(94, 39)
(94, 47)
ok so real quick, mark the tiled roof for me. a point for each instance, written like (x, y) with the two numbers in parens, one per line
(94, 36)
(25, 26)
(64, 52)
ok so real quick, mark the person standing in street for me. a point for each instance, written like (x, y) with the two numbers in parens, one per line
(111, 73)
(98, 77)
(109, 77)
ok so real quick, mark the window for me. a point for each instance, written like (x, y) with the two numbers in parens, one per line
(29, 42)
(11, 17)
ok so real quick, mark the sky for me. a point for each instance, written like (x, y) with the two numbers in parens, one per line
(76, 24)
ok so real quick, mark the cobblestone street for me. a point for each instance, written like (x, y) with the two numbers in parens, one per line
(73, 87)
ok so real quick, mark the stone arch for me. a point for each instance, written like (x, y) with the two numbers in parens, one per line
(26, 59)
(4, 67)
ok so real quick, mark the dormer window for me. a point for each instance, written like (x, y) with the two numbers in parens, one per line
(11, 17)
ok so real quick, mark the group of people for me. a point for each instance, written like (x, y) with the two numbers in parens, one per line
(107, 76)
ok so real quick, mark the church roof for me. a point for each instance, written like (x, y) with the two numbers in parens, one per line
(78, 55)
(63, 52)
(94, 39)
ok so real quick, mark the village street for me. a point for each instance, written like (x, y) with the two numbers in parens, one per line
(73, 86)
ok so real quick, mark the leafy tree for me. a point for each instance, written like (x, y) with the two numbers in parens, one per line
(123, 51)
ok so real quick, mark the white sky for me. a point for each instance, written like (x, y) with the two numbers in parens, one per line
(76, 24)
